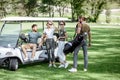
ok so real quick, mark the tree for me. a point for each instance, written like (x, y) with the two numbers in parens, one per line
(97, 7)
(29, 6)
(61, 5)
(43, 9)
(89, 8)
(108, 13)
(49, 4)
(52, 5)
(3, 11)
(16, 8)
(77, 8)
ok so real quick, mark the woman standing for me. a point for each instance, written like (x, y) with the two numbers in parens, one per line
(62, 36)
(48, 34)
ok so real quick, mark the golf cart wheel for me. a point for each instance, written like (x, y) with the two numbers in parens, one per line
(13, 65)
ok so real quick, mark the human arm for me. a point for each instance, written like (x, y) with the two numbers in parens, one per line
(54, 27)
(43, 37)
(89, 38)
(42, 40)
(64, 37)
(75, 31)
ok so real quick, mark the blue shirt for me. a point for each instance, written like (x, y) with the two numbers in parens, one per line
(33, 37)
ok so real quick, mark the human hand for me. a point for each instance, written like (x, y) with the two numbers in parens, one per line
(52, 22)
(58, 38)
(89, 45)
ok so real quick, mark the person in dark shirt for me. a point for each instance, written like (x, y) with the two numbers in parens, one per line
(32, 43)
(62, 37)
(81, 28)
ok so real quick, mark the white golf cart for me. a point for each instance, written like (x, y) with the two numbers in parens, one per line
(11, 54)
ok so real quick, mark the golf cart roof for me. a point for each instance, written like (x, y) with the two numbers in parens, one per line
(33, 19)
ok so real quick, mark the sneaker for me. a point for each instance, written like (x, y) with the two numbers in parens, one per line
(25, 59)
(85, 70)
(66, 65)
(61, 66)
(50, 65)
(54, 66)
(32, 59)
(73, 70)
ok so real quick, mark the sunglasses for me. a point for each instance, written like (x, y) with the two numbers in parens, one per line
(50, 24)
(61, 24)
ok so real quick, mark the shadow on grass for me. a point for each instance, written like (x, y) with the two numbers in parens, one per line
(109, 63)
(104, 61)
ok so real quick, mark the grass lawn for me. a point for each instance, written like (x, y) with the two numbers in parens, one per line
(104, 60)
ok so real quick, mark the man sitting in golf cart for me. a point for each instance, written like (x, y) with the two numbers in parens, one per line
(32, 42)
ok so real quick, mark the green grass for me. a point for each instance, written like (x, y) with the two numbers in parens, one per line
(104, 60)
(114, 17)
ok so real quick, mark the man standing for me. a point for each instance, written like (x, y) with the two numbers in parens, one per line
(85, 30)
(33, 37)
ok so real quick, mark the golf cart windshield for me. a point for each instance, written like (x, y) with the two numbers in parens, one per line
(10, 34)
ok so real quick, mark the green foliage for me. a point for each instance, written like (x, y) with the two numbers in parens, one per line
(88, 8)
(49, 7)
(30, 6)
(77, 7)
(61, 4)
(43, 9)
(108, 19)
(3, 4)
(97, 7)
(48, 2)
(104, 60)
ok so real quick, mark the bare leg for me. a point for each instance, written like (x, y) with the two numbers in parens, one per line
(33, 50)
(24, 50)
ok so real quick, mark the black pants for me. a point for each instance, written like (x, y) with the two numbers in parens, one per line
(50, 49)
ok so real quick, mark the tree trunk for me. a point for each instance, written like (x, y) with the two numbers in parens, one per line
(59, 10)
(49, 11)
(72, 10)
(63, 11)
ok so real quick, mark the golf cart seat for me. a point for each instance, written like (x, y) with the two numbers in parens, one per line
(38, 48)
(30, 50)
(24, 38)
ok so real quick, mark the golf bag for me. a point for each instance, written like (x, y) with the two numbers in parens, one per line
(24, 38)
(71, 45)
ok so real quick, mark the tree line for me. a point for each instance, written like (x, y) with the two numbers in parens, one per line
(89, 8)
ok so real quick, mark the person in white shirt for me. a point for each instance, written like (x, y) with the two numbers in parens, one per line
(48, 35)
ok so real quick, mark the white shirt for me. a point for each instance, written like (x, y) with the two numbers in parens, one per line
(49, 32)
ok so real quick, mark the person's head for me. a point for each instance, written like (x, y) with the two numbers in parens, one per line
(81, 19)
(49, 24)
(34, 27)
(62, 24)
